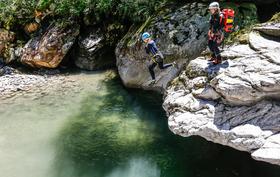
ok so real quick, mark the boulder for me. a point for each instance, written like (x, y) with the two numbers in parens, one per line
(272, 27)
(235, 103)
(269, 28)
(50, 45)
(270, 151)
(2, 71)
(95, 49)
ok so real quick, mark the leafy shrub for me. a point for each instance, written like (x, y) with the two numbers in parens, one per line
(133, 10)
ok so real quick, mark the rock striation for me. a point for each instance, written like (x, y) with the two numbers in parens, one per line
(235, 103)
(50, 45)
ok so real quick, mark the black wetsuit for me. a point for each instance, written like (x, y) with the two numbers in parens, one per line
(157, 56)
(216, 25)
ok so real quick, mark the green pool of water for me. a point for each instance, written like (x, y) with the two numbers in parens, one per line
(103, 129)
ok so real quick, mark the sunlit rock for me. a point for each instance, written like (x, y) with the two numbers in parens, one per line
(271, 28)
(235, 103)
(270, 151)
(31, 27)
(49, 47)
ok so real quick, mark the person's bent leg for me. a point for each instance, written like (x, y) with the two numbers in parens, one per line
(161, 66)
(151, 69)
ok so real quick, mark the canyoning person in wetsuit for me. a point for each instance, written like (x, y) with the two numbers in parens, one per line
(215, 32)
(157, 58)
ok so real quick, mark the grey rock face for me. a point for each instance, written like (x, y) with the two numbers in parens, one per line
(2, 71)
(269, 151)
(92, 55)
(270, 28)
(15, 54)
(179, 32)
(235, 103)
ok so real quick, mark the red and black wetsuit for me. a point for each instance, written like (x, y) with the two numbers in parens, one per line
(216, 26)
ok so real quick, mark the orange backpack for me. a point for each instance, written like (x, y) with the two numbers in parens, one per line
(229, 16)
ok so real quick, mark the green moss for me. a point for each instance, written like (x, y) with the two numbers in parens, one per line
(168, 84)
(235, 36)
(165, 17)
(275, 18)
(176, 80)
(7, 54)
(9, 22)
(244, 39)
(188, 69)
(173, 82)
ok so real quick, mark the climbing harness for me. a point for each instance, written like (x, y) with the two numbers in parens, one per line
(153, 57)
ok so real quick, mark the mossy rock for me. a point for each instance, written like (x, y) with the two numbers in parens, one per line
(238, 37)
(244, 39)
(173, 82)
(275, 18)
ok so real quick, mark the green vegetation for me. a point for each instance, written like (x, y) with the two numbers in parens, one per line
(249, 21)
(275, 18)
(133, 10)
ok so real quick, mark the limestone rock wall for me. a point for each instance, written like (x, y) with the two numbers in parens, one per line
(235, 103)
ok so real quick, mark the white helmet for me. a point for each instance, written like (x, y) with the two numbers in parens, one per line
(214, 5)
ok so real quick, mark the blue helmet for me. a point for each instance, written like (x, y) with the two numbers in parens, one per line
(145, 35)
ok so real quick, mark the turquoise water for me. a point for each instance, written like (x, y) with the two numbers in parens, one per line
(105, 130)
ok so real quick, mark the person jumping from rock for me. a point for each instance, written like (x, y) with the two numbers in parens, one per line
(215, 32)
(157, 57)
